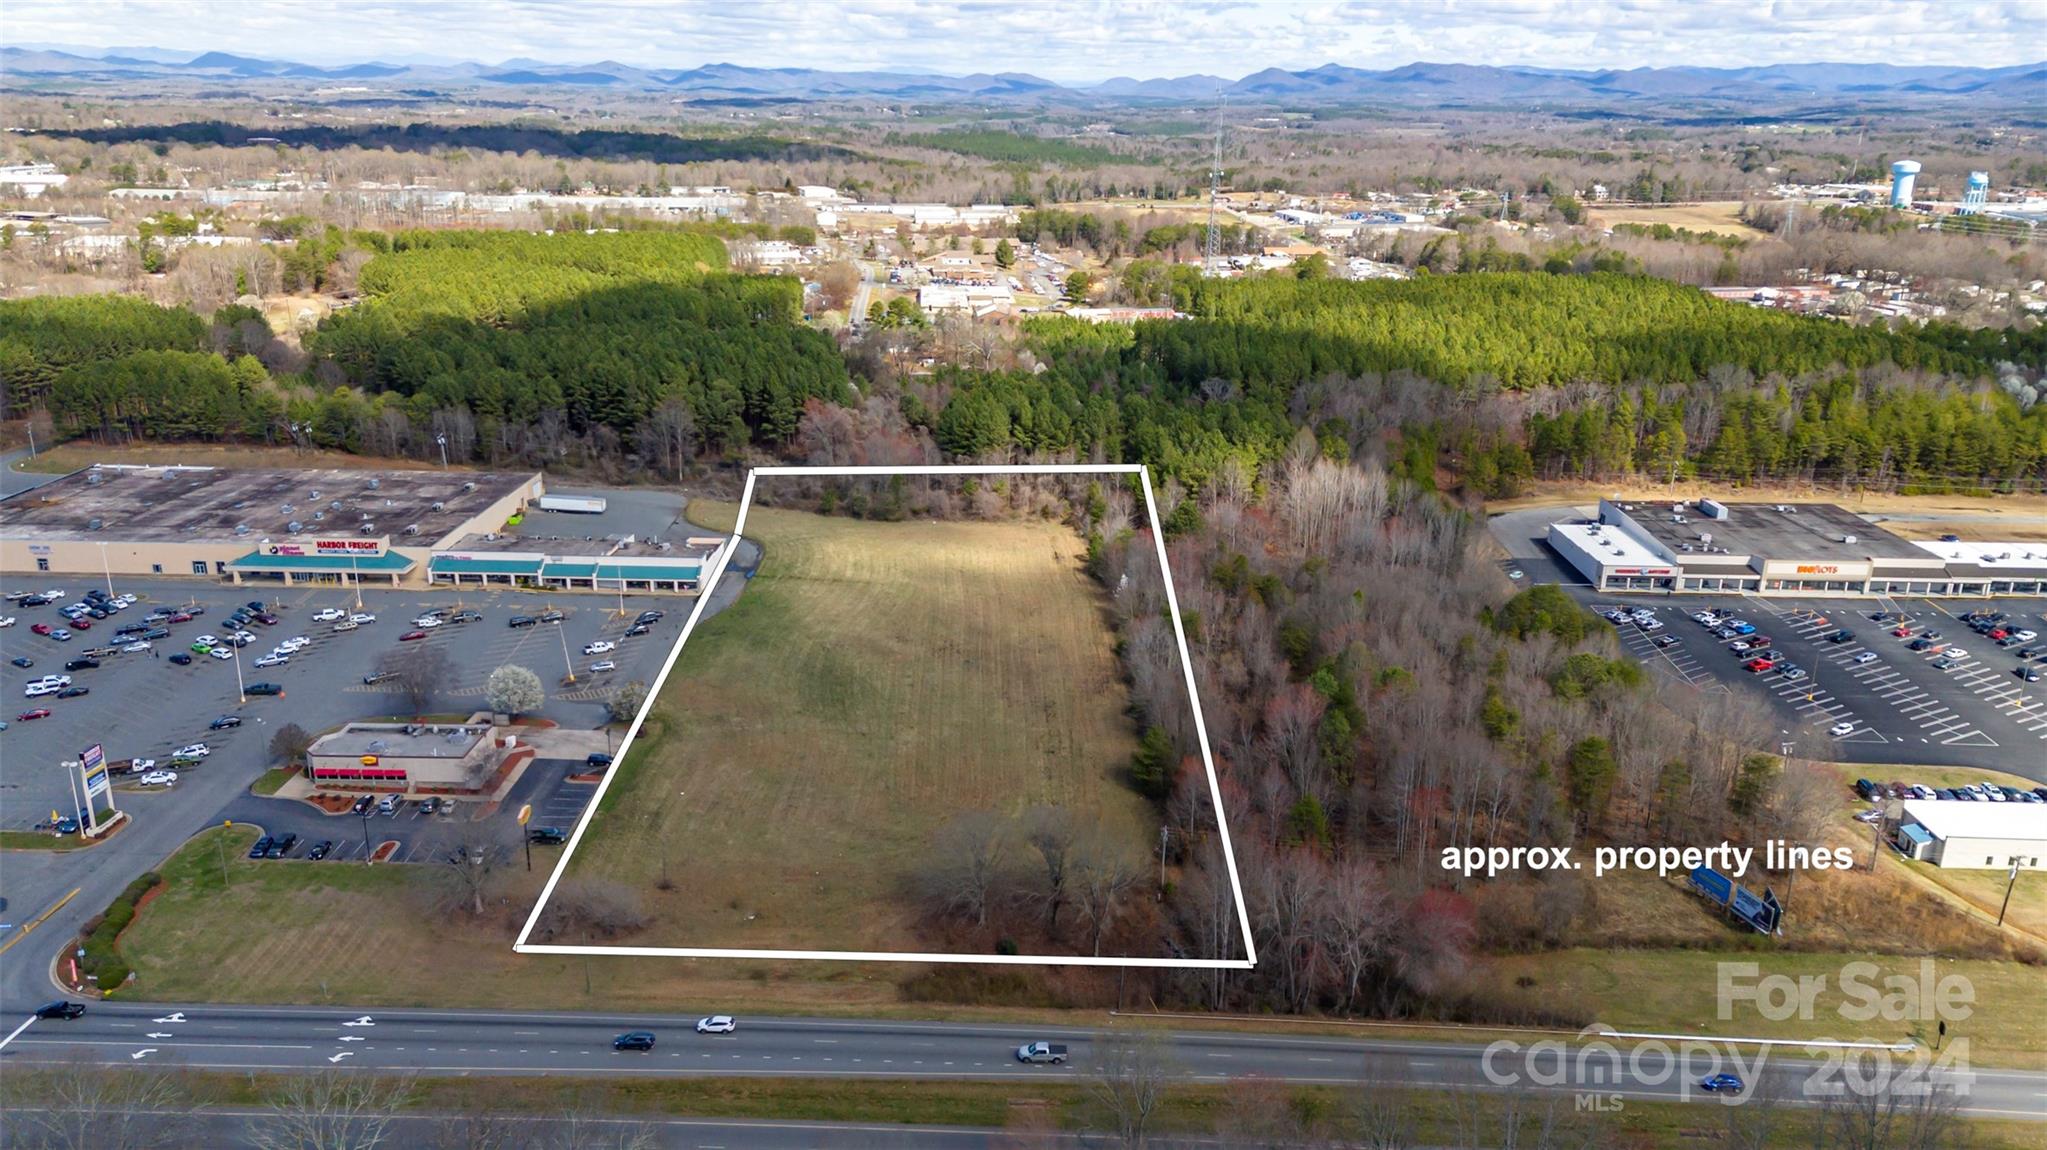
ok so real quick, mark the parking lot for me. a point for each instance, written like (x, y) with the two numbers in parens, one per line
(1889, 703)
(142, 705)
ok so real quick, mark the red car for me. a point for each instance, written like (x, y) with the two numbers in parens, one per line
(1760, 665)
(38, 713)
(409, 636)
(41, 628)
(181, 617)
(1901, 632)
(82, 623)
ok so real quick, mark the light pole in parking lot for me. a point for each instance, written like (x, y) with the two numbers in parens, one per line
(355, 577)
(240, 689)
(108, 571)
(442, 441)
(567, 663)
(366, 836)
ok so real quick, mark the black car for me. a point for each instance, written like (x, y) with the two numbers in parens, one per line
(363, 804)
(266, 618)
(650, 617)
(262, 847)
(254, 604)
(224, 722)
(320, 849)
(265, 689)
(637, 629)
(98, 612)
(182, 659)
(634, 1040)
(60, 1009)
(130, 629)
(22, 661)
(73, 692)
(550, 617)
(522, 621)
(281, 847)
(155, 633)
(547, 836)
(375, 677)
(82, 665)
(35, 600)
(598, 759)
(1865, 788)
(465, 617)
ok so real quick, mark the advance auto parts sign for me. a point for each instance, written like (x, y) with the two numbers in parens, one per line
(340, 547)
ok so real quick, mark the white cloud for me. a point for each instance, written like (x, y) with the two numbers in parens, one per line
(1075, 40)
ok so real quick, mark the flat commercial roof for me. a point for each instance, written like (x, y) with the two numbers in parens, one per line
(1807, 531)
(1992, 558)
(1610, 545)
(1953, 820)
(207, 504)
(438, 742)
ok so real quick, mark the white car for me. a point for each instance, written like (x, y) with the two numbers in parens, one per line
(362, 617)
(1866, 657)
(603, 665)
(716, 1024)
(1840, 729)
(222, 653)
(209, 640)
(159, 778)
(38, 690)
(1955, 653)
(137, 647)
(192, 751)
(125, 599)
(2021, 636)
(426, 622)
(273, 660)
(293, 643)
(600, 647)
(347, 625)
(6, 620)
(241, 638)
(53, 681)
(329, 615)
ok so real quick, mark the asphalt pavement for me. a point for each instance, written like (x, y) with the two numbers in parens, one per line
(425, 1042)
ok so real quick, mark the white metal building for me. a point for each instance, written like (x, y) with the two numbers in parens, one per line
(1975, 836)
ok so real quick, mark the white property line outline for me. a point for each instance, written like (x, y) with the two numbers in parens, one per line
(724, 560)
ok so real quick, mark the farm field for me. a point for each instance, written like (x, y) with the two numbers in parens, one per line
(1721, 218)
(875, 681)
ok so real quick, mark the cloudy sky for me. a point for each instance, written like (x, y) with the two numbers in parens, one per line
(1066, 40)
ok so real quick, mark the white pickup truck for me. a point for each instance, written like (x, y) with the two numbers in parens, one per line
(1053, 1052)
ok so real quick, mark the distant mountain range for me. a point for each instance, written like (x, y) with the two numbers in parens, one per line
(1437, 84)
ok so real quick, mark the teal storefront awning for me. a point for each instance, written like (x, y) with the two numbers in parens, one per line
(389, 563)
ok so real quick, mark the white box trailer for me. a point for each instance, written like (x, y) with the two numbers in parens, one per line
(579, 504)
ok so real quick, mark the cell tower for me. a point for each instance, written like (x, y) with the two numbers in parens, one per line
(1211, 253)
(1975, 194)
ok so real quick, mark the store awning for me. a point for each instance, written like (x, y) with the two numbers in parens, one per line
(390, 562)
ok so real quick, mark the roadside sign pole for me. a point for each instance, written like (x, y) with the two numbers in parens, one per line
(2009, 883)
(221, 842)
(366, 836)
(526, 814)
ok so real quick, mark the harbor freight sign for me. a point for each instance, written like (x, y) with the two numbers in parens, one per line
(336, 548)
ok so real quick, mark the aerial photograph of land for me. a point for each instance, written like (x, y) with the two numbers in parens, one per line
(1385, 576)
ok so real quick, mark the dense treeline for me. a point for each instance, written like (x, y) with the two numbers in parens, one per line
(436, 139)
(41, 337)
(1007, 147)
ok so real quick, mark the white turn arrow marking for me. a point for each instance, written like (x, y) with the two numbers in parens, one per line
(342, 1055)
(143, 1051)
(179, 1016)
(351, 1038)
(159, 1034)
(365, 1020)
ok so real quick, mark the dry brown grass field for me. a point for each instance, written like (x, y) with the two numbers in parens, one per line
(874, 681)
(1722, 218)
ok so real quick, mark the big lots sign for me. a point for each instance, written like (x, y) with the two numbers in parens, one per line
(341, 547)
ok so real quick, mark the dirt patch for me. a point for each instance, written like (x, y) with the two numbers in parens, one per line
(333, 804)
(384, 850)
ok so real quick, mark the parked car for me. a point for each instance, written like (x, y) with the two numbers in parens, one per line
(375, 677)
(550, 617)
(273, 660)
(363, 618)
(182, 659)
(159, 778)
(22, 661)
(329, 615)
(599, 647)
(603, 665)
(642, 628)
(521, 621)
(409, 636)
(717, 1024)
(281, 847)
(261, 847)
(38, 713)
(73, 692)
(363, 804)
(194, 750)
(1865, 657)
(346, 625)
(1863, 787)
(264, 689)
(597, 759)
(547, 836)
(222, 653)
(225, 722)
(650, 616)
(465, 617)
(320, 849)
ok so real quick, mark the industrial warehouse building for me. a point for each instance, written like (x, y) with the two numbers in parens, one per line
(1783, 549)
(389, 528)
(1973, 836)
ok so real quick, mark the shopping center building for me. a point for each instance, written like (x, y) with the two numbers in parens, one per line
(1783, 549)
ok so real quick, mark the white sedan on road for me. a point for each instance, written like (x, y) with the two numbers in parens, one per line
(716, 1024)
(329, 615)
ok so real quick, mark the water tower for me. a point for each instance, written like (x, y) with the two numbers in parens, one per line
(1902, 174)
(1977, 194)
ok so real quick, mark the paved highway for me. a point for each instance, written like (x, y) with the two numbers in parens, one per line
(218, 1037)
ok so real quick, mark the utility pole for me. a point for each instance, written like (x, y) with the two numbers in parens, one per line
(567, 663)
(1165, 832)
(2009, 883)
(442, 440)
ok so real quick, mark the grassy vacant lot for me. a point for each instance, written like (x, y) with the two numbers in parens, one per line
(1722, 218)
(874, 681)
(1674, 992)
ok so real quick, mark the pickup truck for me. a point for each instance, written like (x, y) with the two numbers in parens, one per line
(1053, 1052)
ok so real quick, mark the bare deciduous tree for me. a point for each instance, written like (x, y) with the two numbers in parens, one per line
(1127, 1079)
(335, 1110)
(1051, 832)
(419, 670)
(1101, 874)
(81, 1105)
(967, 860)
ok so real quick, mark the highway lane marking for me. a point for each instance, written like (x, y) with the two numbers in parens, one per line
(57, 1041)
(17, 1032)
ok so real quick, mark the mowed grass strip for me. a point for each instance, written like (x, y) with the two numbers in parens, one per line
(873, 681)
